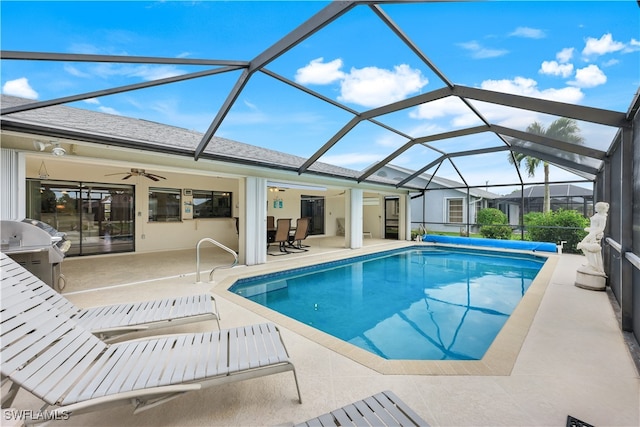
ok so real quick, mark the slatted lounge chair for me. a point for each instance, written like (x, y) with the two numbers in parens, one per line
(112, 321)
(46, 353)
(382, 409)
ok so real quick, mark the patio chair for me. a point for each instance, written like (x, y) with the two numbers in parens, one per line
(301, 233)
(283, 229)
(46, 353)
(113, 321)
(382, 409)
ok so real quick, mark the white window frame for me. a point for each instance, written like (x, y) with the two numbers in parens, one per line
(447, 213)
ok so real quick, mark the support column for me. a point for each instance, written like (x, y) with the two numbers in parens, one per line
(406, 206)
(13, 194)
(253, 230)
(354, 215)
(626, 233)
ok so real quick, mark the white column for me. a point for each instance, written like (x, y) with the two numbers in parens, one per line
(407, 216)
(13, 194)
(254, 225)
(354, 226)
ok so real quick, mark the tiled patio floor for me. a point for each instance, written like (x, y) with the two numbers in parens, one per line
(573, 360)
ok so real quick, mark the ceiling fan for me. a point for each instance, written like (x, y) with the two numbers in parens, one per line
(138, 172)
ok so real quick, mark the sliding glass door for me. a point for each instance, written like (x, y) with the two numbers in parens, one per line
(97, 218)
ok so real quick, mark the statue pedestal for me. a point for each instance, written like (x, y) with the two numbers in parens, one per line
(589, 279)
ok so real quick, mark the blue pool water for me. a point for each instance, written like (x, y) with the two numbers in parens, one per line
(417, 303)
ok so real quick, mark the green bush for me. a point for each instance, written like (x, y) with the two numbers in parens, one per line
(556, 226)
(491, 216)
(494, 224)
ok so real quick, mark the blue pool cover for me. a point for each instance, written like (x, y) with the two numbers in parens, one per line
(494, 243)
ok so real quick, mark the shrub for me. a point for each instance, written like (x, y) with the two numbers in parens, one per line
(556, 226)
(494, 224)
(491, 216)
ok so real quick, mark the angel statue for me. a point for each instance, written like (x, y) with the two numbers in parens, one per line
(590, 245)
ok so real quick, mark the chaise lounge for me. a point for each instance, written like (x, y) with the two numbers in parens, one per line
(382, 409)
(112, 321)
(48, 354)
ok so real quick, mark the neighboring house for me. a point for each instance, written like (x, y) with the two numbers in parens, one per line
(563, 196)
(445, 204)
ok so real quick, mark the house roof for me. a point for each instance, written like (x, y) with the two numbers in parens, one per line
(91, 126)
(425, 179)
(555, 190)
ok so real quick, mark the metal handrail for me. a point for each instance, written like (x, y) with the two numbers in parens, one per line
(633, 259)
(615, 245)
(221, 246)
(630, 256)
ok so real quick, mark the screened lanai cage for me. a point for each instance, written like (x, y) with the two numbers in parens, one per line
(327, 89)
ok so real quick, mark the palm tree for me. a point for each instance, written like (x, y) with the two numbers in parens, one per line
(562, 129)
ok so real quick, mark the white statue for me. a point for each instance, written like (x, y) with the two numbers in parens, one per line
(590, 245)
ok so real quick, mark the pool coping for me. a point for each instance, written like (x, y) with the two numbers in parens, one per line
(498, 360)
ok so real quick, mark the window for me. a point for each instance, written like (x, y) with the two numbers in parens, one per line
(211, 204)
(455, 210)
(164, 205)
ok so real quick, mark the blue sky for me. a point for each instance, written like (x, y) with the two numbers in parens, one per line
(577, 52)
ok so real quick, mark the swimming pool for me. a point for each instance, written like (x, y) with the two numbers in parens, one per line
(418, 303)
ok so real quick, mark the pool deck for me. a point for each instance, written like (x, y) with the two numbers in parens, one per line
(566, 357)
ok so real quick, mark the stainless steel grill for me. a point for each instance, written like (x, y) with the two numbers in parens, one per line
(36, 246)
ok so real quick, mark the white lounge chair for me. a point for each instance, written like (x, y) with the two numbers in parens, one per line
(382, 409)
(48, 354)
(112, 321)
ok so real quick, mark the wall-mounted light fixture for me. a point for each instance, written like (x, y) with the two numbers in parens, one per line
(57, 150)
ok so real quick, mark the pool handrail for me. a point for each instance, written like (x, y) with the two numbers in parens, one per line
(221, 246)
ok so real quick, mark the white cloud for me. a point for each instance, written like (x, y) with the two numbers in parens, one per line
(145, 72)
(458, 115)
(373, 86)
(589, 76)
(19, 87)
(369, 86)
(109, 110)
(93, 101)
(633, 46)
(529, 87)
(530, 33)
(319, 72)
(440, 108)
(480, 52)
(75, 72)
(565, 55)
(610, 63)
(554, 69)
(601, 46)
(149, 73)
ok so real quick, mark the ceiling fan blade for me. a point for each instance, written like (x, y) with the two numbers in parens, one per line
(158, 177)
(151, 177)
(127, 177)
(117, 173)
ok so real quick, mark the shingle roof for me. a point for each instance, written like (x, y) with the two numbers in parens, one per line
(424, 178)
(555, 190)
(144, 134)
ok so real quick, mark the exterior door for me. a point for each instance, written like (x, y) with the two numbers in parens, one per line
(313, 207)
(97, 218)
(391, 217)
